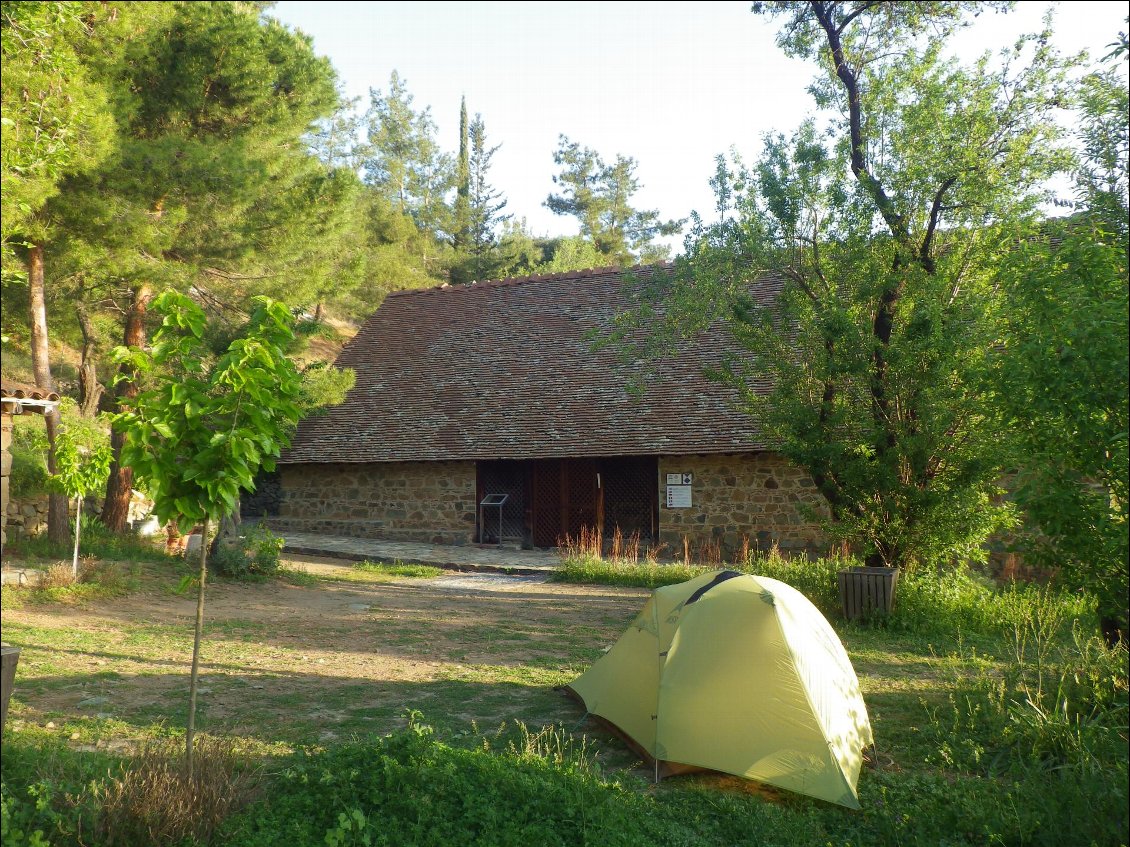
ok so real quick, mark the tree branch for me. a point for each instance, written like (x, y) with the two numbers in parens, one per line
(924, 257)
(859, 168)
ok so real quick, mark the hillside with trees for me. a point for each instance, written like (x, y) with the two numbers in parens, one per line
(206, 148)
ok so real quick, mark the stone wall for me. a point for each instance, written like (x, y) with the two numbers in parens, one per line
(737, 496)
(398, 501)
(5, 469)
(27, 516)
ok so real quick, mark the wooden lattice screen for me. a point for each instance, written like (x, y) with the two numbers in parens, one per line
(580, 496)
(631, 491)
(545, 502)
(507, 478)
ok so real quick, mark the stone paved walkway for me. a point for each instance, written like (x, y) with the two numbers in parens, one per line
(467, 558)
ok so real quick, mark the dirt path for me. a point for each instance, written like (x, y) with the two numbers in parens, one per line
(302, 663)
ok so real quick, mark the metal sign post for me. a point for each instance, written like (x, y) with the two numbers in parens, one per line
(491, 500)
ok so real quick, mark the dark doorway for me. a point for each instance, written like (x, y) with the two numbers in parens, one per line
(630, 489)
(509, 478)
(598, 494)
(564, 498)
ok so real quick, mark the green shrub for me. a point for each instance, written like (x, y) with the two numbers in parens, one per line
(514, 789)
(29, 474)
(45, 788)
(255, 556)
(956, 600)
(20, 824)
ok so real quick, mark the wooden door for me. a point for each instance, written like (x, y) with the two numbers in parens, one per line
(580, 499)
(630, 485)
(545, 502)
(563, 498)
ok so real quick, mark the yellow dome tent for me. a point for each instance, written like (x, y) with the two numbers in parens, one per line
(739, 674)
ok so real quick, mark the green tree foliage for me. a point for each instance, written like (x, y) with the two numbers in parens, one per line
(404, 162)
(55, 117)
(1064, 383)
(207, 425)
(334, 139)
(207, 185)
(199, 435)
(599, 196)
(571, 253)
(867, 369)
(461, 214)
(324, 385)
(80, 469)
(482, 257)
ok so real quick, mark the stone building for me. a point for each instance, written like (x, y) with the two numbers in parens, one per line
(16, 398)
(496, 389)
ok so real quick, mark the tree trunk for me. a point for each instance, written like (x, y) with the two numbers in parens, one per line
(57, 517)
(319, 313)
(78, 528)
(119, 485)
(195, 673)
(90, 389)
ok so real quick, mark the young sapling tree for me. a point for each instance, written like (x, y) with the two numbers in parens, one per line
(208, 424)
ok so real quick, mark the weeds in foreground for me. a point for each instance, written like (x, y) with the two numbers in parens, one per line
(361, 572)
(98, 542)
(153, 802)
(1061, 707)
(60, 797)
(96, 580)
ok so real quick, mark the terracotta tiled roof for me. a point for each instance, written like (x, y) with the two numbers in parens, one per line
(505, 370)
(11, 390)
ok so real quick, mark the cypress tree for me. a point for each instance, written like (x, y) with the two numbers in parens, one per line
(461, 234)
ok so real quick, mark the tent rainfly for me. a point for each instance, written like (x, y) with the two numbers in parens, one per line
(739, 674)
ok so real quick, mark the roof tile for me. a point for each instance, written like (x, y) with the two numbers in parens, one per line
(506, 369)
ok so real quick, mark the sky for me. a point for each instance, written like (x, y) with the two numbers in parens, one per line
(670, 84)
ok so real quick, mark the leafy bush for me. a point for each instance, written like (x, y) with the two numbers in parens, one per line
(255, 556)
(54, 795)
(44, 791)
(20, 824)
(516, 789)
(29, 475)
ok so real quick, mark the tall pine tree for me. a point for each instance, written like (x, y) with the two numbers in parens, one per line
(209, 187)
(599, 196)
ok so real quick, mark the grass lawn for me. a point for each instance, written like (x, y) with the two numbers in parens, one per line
(309, 672)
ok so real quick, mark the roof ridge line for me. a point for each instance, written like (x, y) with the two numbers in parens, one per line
(519, 280)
